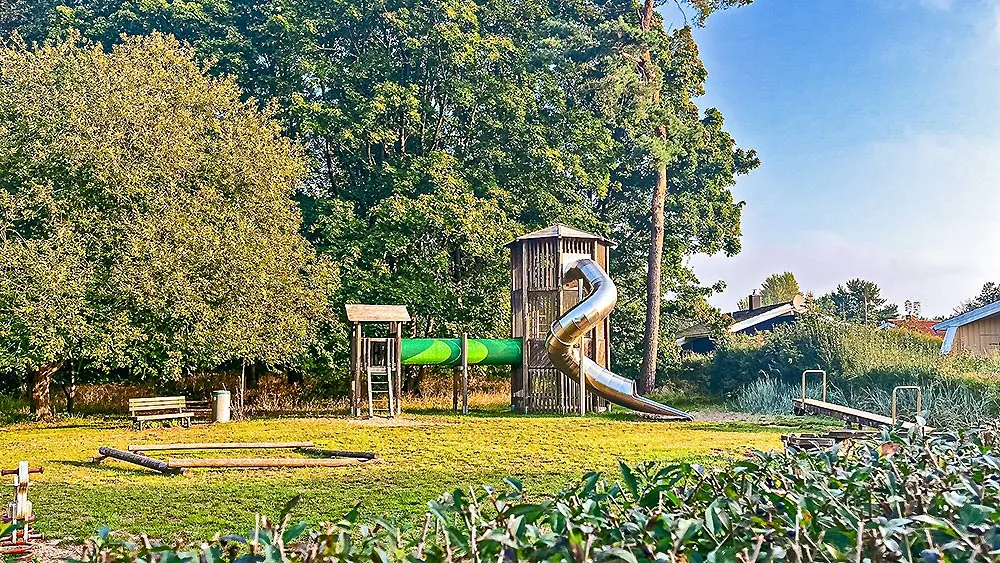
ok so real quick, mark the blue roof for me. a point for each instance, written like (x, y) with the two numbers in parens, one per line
(970, 317)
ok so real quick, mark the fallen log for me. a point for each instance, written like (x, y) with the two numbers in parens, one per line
(137, 459)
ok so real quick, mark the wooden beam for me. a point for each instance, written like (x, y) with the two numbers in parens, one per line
(183, 463)
(340, 453)
(219, 446)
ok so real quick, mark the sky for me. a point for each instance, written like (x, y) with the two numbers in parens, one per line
(878, 127)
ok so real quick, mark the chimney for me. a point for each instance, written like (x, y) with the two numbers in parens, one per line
(754, 300)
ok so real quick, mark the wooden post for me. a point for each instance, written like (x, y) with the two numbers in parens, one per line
(243, 388)
(356, 369)
(398, 381)
(465, 373)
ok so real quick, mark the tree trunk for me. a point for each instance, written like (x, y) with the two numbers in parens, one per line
(69, 390)
(41, 385)
(654, 287)
(654, 273)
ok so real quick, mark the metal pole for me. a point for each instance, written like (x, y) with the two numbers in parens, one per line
(583, 384)
(465, 373)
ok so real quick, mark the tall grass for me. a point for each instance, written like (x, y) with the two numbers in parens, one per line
(772, 396)
(864, 362)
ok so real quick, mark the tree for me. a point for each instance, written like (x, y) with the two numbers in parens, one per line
(989, 294)
(669, 100)
(147, 217)
(860, 301)
(544, 112)
(779, 288)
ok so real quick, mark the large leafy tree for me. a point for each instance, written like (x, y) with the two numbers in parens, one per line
(528, 112)
(989, 294)
(860, 301)
(779, 288)
(147, 217)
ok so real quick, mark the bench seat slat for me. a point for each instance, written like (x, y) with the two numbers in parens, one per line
(163, 416)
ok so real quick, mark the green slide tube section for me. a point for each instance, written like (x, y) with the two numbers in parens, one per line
(448, 351)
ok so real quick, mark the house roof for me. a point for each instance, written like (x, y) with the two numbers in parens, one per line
(950, 326)
(357, 313)
(918, 325)
(561, 231)
(746, 319)
(970, 317)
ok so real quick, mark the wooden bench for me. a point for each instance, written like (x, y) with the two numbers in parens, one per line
(138, 409)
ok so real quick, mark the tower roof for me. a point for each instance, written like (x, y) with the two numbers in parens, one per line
(561, 231)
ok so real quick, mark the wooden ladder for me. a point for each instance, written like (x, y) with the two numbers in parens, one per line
(380, 363)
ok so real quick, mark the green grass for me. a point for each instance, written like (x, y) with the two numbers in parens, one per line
(423, 455)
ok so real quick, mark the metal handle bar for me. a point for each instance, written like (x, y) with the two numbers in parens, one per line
(807, 372)
(895, 398)
(5, 472)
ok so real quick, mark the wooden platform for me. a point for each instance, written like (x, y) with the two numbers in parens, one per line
(847, 414)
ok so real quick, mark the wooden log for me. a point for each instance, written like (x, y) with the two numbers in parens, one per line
(220, 446)
(339, 453)
(182, 463)
(138, 459)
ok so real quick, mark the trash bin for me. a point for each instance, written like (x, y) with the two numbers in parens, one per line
(221, 403)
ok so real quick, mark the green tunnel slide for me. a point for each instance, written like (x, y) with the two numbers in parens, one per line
(448, 351)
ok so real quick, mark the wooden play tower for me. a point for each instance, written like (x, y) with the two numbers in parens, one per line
(538, 297)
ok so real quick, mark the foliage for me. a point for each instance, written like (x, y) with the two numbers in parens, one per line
(901, 498)
(530, 111)
(946, 404)
(989, 294)
(848, 351)
(769, 395)
(859, 301)
(148, 223)
(777, 288)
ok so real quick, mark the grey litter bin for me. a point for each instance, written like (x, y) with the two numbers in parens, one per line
(221, 406)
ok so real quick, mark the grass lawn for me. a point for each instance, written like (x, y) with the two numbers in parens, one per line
(423, 455)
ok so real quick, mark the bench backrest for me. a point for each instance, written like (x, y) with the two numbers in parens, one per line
(147, 404)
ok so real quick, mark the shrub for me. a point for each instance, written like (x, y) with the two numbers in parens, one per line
(901, 498)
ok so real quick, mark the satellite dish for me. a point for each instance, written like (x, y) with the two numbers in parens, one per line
(798, 302)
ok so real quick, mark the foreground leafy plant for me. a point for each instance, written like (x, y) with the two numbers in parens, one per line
(900, 498)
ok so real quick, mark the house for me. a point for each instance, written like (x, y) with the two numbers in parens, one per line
(916, 325)
(976, 332)
(700, 338)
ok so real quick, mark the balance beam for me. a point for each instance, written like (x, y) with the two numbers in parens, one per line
(181, 464)
(220, 446)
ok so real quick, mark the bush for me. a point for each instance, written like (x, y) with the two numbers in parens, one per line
(901, 498)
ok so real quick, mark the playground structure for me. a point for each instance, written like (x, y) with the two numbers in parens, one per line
(19, 513)
(136, 454)
(560, 350)
(804, 405)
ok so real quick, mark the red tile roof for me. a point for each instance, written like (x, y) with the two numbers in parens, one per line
(917, 325)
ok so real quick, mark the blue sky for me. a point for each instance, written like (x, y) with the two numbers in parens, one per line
(878, 124)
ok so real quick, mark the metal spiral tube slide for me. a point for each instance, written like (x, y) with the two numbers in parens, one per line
(571, 327)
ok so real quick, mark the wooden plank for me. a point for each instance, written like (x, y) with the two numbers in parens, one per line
(151, 400)
(166, 416)
(376, 313)
(813, 406)
(219, 446)
(340, 453)
(182, 463)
